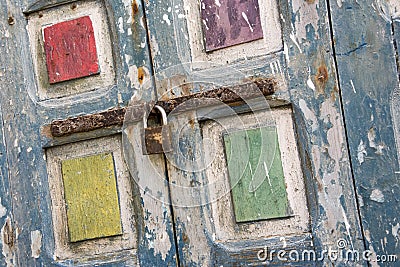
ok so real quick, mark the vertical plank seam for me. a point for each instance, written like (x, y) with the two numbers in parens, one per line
(357, 201)
(171, 207)
(148, 40)
(6, 147)
(395, 48)
(9, 187)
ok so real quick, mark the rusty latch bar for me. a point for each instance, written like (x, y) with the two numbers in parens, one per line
(115, 117)
(87, 123)
(226, 95)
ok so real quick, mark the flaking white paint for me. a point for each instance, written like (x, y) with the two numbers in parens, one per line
(352, 86)
(293, 38)
(394, 6)
(310, 84)
(166, 19)
(121, 25)
(335, 139)
(7, 250)
(142, 23)
(148, 172)
(332, 188)
(154, 45)
(163, 239)
(307, 15)
(128, 59)
(373, 262)
(286, 52)
(395, 233)
(36, 244)
(348, 227)
(120, 101)
(377, 196)
(3, 210)
(308, 114)
(133, 77)
(371, 138)
(361, 152)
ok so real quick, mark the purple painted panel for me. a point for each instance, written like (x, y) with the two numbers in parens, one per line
(230, 22)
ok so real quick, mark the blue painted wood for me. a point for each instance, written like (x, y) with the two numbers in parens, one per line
(24, 168)
(368, 81)
(37, 5)
(26, 118)
(5, 196)
(306, 71)
(320, 127)
(395, 98)
(309, 84)
(260, 254)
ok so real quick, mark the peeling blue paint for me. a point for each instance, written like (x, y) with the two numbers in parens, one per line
(370, 66)
(328, 148)
(147, 254)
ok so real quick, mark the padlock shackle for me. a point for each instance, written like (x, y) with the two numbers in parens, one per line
(163, 116)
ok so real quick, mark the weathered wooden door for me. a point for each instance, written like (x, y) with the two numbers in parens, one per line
(366, 37)
(67, 196)
(251, 180)
(263, 168)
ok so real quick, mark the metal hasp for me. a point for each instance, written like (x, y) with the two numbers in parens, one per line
(156, 139)
(87, 123)
(115, 117)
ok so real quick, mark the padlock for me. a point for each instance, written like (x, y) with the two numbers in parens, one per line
(156, 140)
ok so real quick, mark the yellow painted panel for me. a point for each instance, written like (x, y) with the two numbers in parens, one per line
(91, 196)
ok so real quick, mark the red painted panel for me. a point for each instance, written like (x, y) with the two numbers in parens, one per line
(70, 49)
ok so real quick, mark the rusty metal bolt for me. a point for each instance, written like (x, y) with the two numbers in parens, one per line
(11, 20)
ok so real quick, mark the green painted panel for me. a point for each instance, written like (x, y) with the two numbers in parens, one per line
(256, 174)
(91, 196)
